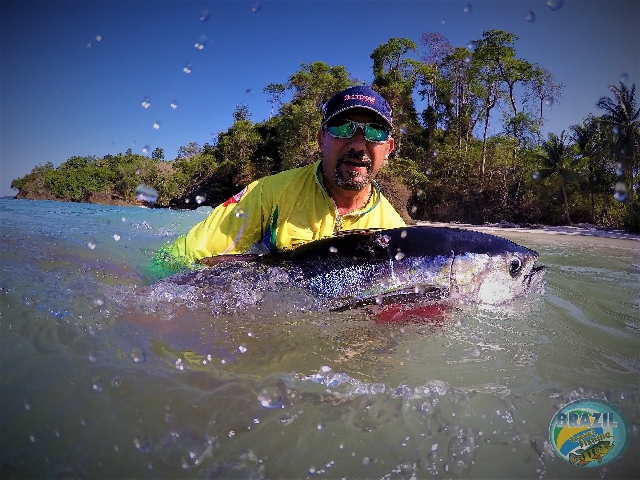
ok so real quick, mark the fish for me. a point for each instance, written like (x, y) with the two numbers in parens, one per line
(363, 267)
(594, 452)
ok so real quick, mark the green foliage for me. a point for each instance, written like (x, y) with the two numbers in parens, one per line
(447, 164)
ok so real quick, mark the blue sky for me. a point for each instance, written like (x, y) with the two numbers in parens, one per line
(74, 74)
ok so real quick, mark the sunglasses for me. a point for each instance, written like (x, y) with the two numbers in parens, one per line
(373, 132)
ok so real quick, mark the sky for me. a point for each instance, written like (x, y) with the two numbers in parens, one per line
(74, 74)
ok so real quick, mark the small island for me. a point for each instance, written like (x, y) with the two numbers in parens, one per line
(446, 166)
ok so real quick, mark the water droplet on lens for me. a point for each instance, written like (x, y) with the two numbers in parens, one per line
(270, 397)
(116, 382)
(200, 199)
(468, 8)
(333, 249)
(146, 102)
(624, 78)
(414, 209)
(472, 45)
(141, 444)
(146, 194)
(93, 358)
(287, 419)
(187, 67)
(124, 219)
(443, 21)
(615, 129)
(399, 256)
(57, 433)
(96, 385)
(536, 175)
(174, 104)
(555, 4)
(91, 244)
(156, 125)
(619, 169)
(116, 237)
(548, 101)
(201, 42)
(247, 91)
(239, 212)
(27, 405)
(255, 8)
(145, 149)
(138, 355)
(204, 15)
(242, 349)
(403, 234)
(231, 433)
(620, 192)
(32, 437)
(530, 16)
(378, 300)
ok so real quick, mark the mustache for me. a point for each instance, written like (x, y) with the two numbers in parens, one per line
(358, 155)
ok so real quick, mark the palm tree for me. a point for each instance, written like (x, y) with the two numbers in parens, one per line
(623, 116)
(559, 164)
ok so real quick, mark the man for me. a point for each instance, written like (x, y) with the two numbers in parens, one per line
(337, 193)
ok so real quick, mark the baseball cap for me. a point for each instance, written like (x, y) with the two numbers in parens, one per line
(360, 96)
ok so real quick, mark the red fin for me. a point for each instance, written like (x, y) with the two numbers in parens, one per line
(433, 314)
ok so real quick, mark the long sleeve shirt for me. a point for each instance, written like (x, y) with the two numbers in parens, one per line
(277, 213)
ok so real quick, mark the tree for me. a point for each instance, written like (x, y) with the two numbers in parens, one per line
(312, 86)
(189, 150)
(500, 71)
(395, 76)
(241, 113)
(157, 154)
(622, 115)
(558, 164)
(275, 92)
(544, 90)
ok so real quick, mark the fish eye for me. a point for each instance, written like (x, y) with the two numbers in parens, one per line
(515, 266)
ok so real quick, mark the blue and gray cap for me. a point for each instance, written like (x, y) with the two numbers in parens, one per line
(359, 96)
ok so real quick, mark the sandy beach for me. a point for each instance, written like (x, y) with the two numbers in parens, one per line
(577, 232)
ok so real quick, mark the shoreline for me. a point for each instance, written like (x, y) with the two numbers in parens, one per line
(583, 231)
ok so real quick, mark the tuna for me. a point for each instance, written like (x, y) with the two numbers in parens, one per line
(375, 266)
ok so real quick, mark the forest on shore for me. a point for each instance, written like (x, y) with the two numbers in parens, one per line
(446, 166)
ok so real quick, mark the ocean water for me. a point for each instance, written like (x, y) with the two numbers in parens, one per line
(103, 377)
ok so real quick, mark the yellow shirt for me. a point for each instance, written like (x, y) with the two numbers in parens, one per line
(279, 212)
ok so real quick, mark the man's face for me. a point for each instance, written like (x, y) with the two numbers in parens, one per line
(351, 163)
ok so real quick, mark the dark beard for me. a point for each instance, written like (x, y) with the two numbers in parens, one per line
(353, 183)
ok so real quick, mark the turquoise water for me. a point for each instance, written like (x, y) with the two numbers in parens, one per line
(103, 377)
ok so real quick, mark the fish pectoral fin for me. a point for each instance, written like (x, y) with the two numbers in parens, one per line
(400, 295)
(215, 260)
